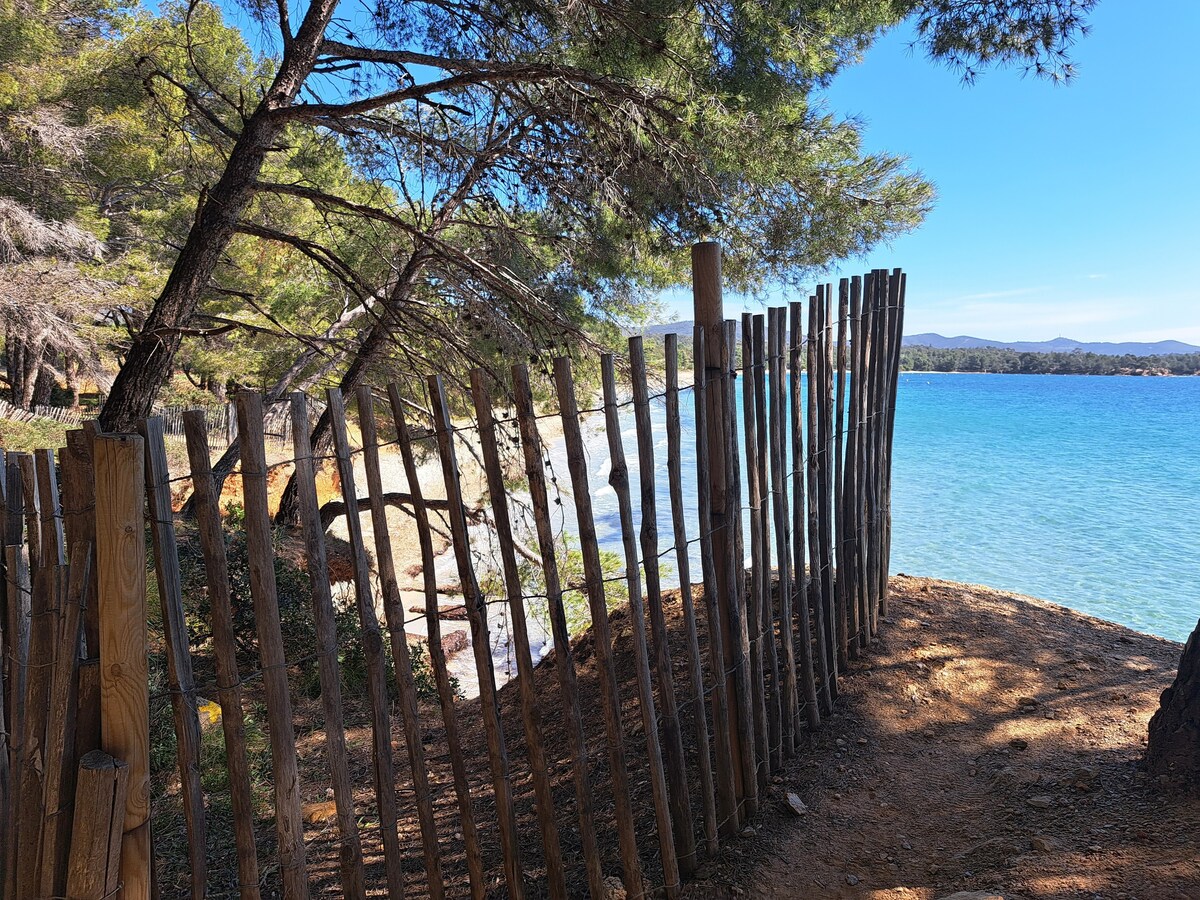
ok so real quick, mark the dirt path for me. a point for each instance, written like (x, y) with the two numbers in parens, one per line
(989, 743)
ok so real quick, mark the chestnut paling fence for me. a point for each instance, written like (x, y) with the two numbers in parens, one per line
(680, 707)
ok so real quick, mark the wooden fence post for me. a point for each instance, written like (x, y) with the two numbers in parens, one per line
(679, 525)
(678, 802)
(779, 506)
(758, 567)
(96, 835)
(228, 681)
(847, 566)
(897, 339)
(30, 774)
(437, 654)
(816, 602)
(124, 688)
(594, 577)
(60, 730)
(743, 677)
(377, 699)
(531, 444)
(768, 652)
(709, 318)
(618, 479)
(531, 719)
(476, 605)
(800, 517)
(179, 660)
(329, 673)
(723, 723)
(289, 824)
(393, 612)
(839, 481)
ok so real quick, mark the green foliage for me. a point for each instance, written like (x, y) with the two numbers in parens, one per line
(25, 437)
(573, 581)
(999, 360)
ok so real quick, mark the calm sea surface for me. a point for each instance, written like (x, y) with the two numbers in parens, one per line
(1081, 490)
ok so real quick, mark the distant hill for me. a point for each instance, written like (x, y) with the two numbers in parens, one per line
(1058, 345)
(966, 342)
(681, 328)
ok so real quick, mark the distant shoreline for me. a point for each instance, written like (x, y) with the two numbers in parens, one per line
(1145, 374)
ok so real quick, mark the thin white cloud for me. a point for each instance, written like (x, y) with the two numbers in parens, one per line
(997, 295)
(1097, 276)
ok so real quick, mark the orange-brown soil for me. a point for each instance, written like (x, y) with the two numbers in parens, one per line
(987, 742)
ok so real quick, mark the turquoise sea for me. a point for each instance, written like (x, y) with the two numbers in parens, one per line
(1081, 490)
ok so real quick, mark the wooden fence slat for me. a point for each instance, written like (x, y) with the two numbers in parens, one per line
(874, 388)
(895, 336)
(33, 519)
(676, 767)
(866, 331)
(328, 670)
(79, 522)
(602, 634)
(289, 825)
(384, 770)
(825, 412)
(816, 603)
(766, 628)
(19, 589)
(393, 612)
(477, 612)
(100, 799)
(530, 714)
(16, 573)
(839, 418)
(728, 823)
(849, 484)
(779, 507)
(125, 701)
(437, 654)
(756, 579)
(799, 521)
(5, 637)
(14, 498)
(6, 806)
(618, 479)
(531, 445)
(180, 682)
(60, 730)
(53, 551)
(43, 633)
(682, 563)
(736, 575)
(725, 507)
(228, 681)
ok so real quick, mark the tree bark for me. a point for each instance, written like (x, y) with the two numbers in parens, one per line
(1173, 747)
(151, 356)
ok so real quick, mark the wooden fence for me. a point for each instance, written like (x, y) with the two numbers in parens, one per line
(55, 413)
(640, 748)
(220, 421)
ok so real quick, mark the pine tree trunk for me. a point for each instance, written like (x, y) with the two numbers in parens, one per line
(1173, 748)
(151, 358)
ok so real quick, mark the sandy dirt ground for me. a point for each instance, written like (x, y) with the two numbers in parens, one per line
(989, 743)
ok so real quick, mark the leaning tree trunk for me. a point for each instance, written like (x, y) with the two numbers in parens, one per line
(1173, 748)
(151, 357)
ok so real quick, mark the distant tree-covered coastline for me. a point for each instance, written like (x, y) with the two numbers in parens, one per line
(1003, 361)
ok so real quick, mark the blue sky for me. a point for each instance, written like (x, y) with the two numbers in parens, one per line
(1063, 211)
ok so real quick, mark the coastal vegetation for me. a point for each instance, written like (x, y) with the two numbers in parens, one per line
(1003, 361)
